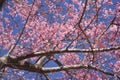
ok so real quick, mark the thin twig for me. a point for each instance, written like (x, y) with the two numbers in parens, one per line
(23, 29)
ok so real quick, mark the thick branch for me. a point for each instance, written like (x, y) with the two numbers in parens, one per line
(64, 51)
(23, 65)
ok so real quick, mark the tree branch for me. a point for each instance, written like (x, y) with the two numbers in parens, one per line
(23, 65)
(1, 3)
(106, 28)
(22, 31)
(19, 58)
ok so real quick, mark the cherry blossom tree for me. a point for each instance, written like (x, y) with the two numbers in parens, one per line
(77, 39)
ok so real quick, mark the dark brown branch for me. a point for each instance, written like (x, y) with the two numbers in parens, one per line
(1, 3)
(22, 31)
(83, 13)
(88, 43)
(84, 29)
(106, 28)
(86, 1)
(64, 51)
(40, 61)
(9, 62)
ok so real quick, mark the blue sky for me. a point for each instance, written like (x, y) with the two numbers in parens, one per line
(49, 16)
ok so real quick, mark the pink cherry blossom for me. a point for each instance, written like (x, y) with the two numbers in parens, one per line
(78, 39)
